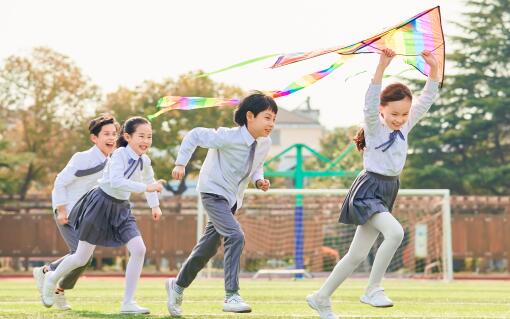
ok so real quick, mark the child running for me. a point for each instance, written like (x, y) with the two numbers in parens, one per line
(389, 117)
(78, 177)
(103, 215)
(236, 156)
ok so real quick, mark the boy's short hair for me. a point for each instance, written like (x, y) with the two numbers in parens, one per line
(96, 124)
(256, 102)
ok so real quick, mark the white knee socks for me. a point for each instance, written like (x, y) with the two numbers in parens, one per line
(136, 249)
(71, 262)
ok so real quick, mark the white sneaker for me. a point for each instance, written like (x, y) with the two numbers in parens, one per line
(60, 301)
(39, 275)
(133, 308)
(321, 305)
(174, 299)
(377, 298)
(48, 290)
(236, 304)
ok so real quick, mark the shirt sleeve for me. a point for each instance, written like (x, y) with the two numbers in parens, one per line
(258, 173)
(64, 178)
(371, 109)
(117, 179)
(148, 178)
(200, 136)
(428, 96)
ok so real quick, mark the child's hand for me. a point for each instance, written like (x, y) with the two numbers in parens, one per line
(429, 58)
(386, 56)
(263, 184)
(156, 213)
(62, 215)
(178, 172)
(154, 187)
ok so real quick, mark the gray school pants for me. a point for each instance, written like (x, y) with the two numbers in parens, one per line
(221, 224)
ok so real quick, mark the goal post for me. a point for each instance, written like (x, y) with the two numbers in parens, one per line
(420, 228)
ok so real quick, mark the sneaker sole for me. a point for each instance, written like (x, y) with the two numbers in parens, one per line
(362, 300)
(238, 311)
(167, 288)
(45, 304)
(134, 313)
(63, 309)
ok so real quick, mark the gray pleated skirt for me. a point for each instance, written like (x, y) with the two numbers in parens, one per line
(370, 193)
(103, 220)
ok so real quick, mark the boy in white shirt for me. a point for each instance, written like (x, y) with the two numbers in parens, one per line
(235, 157)
(79, 176)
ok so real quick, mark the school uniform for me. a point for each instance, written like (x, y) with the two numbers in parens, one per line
(376, 187)
(234, 158)
(79, 176)
(103, 215)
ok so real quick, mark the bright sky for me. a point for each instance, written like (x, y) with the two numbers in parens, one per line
(125, 42)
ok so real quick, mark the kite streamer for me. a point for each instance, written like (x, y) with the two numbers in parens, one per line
(408, 39)
(168, 103)
(309, 79)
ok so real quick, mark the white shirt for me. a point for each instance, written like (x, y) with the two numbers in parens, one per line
(116, 181)
(227, 160)
(78, 177)
(392, 161)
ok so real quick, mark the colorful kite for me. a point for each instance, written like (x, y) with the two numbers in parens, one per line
(408, 39)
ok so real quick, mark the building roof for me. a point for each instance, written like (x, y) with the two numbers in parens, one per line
(293, 117)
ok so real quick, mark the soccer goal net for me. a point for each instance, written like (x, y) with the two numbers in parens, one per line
(291, 231)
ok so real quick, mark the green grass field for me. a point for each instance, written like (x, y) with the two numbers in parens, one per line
(100, 298)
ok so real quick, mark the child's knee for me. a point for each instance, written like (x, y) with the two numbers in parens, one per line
(356, 257)
(396, 234)
(138, 251)
(237, 237)
(81, 261)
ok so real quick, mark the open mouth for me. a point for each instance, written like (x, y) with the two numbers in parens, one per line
(143, 147)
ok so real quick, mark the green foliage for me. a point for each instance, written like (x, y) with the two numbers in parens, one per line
(170, 128)
(464, 142)
(44, 97)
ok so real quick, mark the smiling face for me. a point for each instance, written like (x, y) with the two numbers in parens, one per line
(262, 124)
(141, 139)
(105, 139)
(396, 113)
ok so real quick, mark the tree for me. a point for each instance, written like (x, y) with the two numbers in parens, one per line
(169, 128)
(44, 97)
(464, 142)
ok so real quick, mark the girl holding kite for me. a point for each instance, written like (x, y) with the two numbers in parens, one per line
(389, 117)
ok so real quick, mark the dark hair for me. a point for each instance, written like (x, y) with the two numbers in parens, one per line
(97, 124)
(393, 92)
(129, 127)
(256, 102)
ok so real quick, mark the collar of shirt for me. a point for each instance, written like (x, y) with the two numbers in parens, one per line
(131, 153)
(98, 154)
(246, 135)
